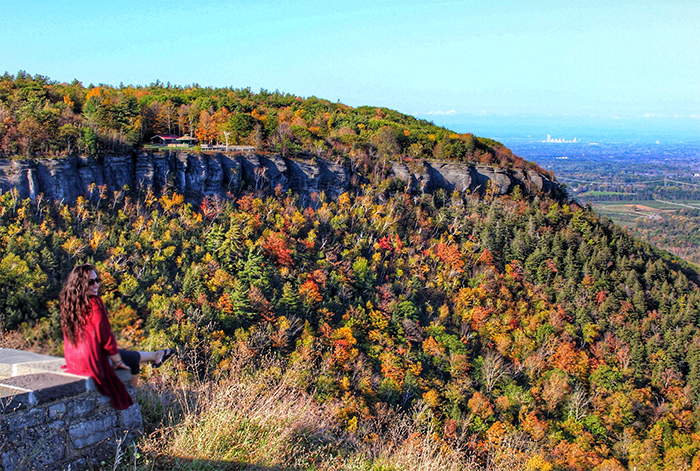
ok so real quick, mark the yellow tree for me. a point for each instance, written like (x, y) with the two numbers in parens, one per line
(206, 129)
(167, 117)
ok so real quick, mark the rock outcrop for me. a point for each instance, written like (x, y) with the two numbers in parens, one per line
(453, 176)
(197, 175)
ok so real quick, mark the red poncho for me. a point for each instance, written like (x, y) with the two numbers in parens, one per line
(90, 357)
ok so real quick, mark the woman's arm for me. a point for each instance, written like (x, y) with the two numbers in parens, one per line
(117, 362)
(105, 336)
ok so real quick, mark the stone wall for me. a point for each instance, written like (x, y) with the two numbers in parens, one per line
(51, 420)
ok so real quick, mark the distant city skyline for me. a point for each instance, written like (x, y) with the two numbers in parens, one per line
(440, 60)
(560, 140)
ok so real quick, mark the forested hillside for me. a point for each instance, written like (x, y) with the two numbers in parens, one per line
(514, 316)
(42, 118)
(498, 312)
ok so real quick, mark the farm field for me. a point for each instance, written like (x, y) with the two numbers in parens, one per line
(669, 225)
(627, 213)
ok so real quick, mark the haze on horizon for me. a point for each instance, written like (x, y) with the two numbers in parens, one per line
(446, 61)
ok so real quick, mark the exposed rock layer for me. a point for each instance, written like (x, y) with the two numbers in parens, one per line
(197, 175)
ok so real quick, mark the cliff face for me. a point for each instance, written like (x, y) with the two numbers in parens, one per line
(462, 177)
(197, 175)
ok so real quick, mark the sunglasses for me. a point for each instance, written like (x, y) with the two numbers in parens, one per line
(94, 281)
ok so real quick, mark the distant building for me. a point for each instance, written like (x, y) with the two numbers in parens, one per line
(164, 139)
(186, 140)
(172, 140)
(560, 140)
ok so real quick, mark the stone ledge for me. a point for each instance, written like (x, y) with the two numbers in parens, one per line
(46, 387)
(32, 367)
(19, 362)
(28, 379)
(8, 390)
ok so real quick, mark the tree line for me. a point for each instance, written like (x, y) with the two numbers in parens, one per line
(44, 118)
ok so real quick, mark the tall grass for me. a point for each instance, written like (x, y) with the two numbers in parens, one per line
(261, 418)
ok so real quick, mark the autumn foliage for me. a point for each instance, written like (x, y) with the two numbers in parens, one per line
(44, 118)
(526, 328)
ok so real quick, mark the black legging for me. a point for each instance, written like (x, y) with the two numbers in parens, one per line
(132, 360)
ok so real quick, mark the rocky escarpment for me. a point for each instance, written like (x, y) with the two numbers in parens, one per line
(197, 175)
(454, 176)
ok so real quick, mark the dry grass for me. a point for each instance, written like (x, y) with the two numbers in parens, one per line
(13, 339)
(38, 338)
(252, 421)
(260, 416)
(261, 419)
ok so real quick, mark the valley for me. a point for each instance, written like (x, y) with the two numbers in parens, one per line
(649, 186)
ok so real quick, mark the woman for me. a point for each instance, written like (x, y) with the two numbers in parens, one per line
(90, 346)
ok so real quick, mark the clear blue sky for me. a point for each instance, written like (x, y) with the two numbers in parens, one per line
(438, 59)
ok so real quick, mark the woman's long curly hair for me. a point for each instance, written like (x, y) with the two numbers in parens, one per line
(74, 302)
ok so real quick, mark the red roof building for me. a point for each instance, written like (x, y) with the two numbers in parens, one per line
(164, 139)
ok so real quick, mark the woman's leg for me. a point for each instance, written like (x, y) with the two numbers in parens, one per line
(132, 360)
(154, 357)
(157, 357)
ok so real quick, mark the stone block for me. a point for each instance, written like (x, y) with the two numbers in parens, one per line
(12, 461)
(57, 426)
(81, 406)
(10, 359)
(7, 392)
(56, 411)
(26, 420)
(93, 431)
(123, 375)
(47, 386)
(90, 385)
(103, 401)
(131, 418)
